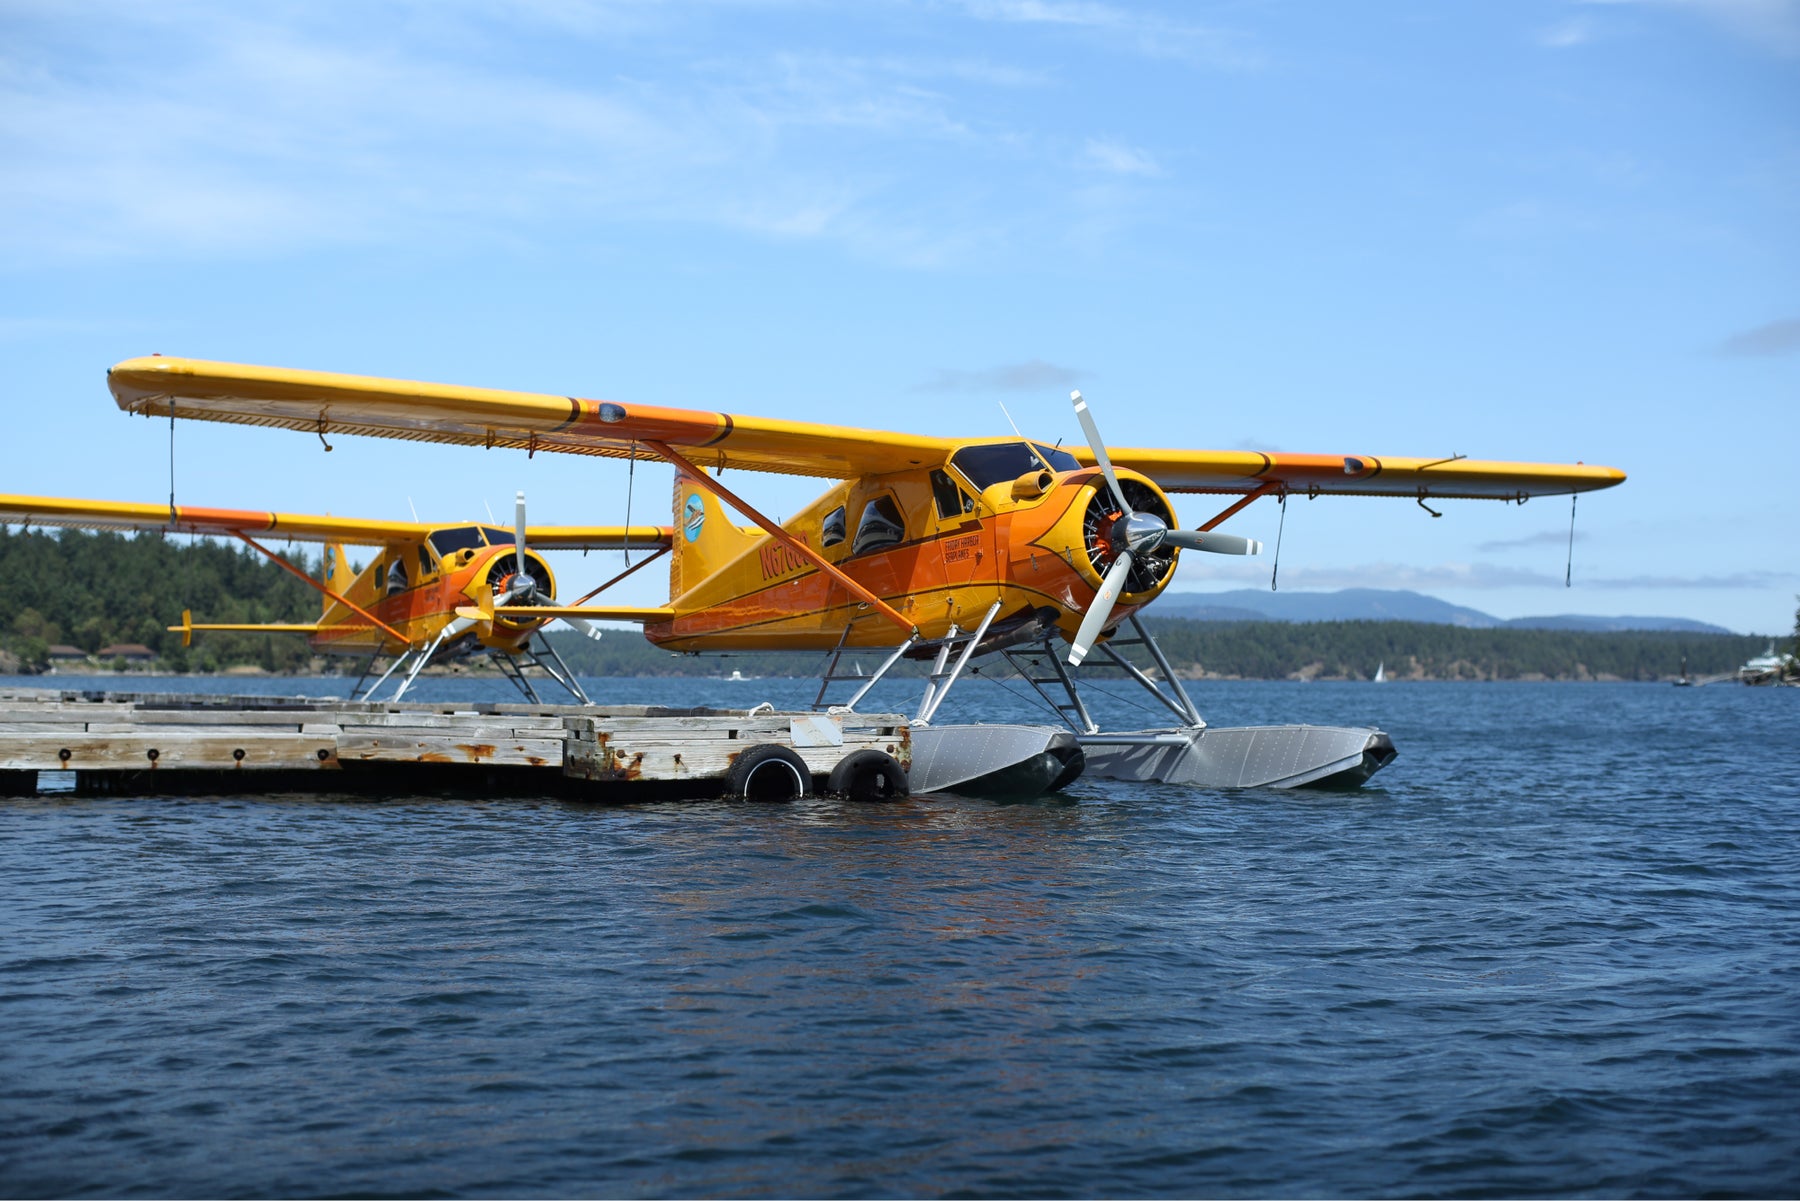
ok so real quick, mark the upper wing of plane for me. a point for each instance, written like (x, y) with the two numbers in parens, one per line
(327, 403)
(296, 527)
(1237, 471)
(192, 519)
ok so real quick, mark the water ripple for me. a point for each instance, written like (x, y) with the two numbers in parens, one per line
(1551, 951)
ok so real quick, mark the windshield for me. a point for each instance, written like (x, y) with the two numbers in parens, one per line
(448, 542)
(985, 466)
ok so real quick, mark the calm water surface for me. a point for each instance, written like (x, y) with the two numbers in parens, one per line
(1554, 949)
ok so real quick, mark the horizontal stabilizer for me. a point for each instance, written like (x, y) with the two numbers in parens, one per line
(591, 612)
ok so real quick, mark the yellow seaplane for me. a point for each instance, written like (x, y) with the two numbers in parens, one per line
(921, 542)
(403, 605)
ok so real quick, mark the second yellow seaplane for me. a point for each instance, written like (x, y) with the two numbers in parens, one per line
(403, 605)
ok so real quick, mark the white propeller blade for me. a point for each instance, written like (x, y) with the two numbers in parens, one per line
(584, 626)
(519, 528)
(1218, 544)
(1092, 432)
(1100, 610)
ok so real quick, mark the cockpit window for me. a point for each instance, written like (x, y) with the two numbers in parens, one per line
(985, 466)
(831, 530)
(951, 500)
(880, 526)
(396, 576)
(448, 542)
(497, 537)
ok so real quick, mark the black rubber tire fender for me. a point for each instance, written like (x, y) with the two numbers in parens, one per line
(768, 773)
(868, 775)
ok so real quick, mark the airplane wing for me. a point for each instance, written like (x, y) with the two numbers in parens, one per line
(598, 537)
(298, 527)
(326, 403)
(191, 519)
(1236, 471)
(647, 615)
(261, 627)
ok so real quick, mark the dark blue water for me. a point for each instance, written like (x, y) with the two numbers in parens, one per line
(1554, 949)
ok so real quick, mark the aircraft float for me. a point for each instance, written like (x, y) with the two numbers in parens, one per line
(403, 605)
(957, 546)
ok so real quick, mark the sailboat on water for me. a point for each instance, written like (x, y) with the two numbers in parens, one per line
(1381, 672)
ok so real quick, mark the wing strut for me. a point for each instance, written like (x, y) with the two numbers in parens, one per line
(667, 454)
(660, 552)
(349, 604)
(1232, 509)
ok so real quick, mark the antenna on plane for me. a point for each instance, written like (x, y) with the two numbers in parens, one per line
(1029, 444)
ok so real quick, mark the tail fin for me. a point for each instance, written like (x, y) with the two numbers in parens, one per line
(705, 539)
(338, 576)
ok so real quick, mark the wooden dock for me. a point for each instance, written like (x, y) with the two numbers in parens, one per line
(125, 743)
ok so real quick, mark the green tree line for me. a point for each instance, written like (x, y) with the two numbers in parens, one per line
(92, 590)
(1353, 649)
(95, 589)
(1280, 650)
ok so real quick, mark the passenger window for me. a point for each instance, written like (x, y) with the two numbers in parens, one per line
(831, 530)
(396, 580)
(880, 526)
(951, 500)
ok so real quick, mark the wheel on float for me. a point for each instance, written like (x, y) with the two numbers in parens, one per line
(768, 773)
(868, 776)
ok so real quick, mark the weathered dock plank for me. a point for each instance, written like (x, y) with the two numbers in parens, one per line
(116, 742)
(162, 751)
(471, 747)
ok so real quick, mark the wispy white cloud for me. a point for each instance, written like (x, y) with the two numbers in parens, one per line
(1541, 538)
(1777, 337)
(1119, 158)
(1030, 376)
(1567, 34)
(1770, 25)
(1149, 34)
(277, 135)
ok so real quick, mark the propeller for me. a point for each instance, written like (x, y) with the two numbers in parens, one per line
(1134, 533)
(523, 590)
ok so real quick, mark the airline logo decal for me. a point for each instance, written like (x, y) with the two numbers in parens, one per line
(693, 516)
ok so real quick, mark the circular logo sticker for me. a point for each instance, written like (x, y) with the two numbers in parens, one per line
(693, 516)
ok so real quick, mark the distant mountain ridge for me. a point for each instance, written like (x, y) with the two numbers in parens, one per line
(1381, 604)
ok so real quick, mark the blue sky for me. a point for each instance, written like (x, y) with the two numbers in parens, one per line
(1544, 229)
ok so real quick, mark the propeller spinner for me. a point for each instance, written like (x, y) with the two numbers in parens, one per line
(521, 589)
(1134, 534)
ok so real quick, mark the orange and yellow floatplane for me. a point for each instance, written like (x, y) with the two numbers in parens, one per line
(923, 543)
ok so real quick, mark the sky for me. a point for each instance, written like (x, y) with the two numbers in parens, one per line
(1544, 230)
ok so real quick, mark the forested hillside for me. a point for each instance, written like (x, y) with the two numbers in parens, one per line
(1282, 650)
(95, 589)
(1353, 649)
